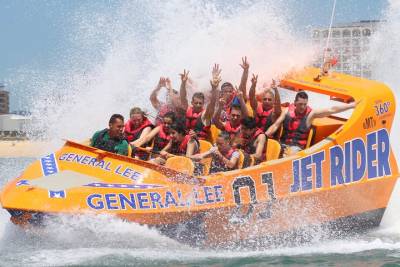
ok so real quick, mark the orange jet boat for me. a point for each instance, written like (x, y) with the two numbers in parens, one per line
(342, 181)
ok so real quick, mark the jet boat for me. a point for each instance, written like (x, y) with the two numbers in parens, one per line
(343, 179)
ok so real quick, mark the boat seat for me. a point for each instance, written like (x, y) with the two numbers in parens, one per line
(310, 137)
(241, 159)
(214, 132)
(204, 147)
(323, 127)
(273, 149)
(87, 142)
(181, 164)
(244, 161)
(129, 151)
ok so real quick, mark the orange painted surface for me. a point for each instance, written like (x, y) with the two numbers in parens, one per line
(304, 189)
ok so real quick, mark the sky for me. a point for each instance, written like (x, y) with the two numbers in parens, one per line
(36, 34)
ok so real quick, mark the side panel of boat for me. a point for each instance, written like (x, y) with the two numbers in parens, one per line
(349, 173)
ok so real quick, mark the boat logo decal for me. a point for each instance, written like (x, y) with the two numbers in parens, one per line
(369, 122)
(347, 163)
(199, 196)
(265, 209)
(127, 186)
(57, 194)
(49, 165)
(22, 182)
(381, 107)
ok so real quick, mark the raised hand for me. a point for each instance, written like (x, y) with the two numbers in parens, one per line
(164, 154)
(222, 102)
(245, 65)
(254, 79)
(192, 134)
(216, 76)
(217, 153)
(184, 76)
(273, 84)
(161, 82)
(168, 83)
(239, 93)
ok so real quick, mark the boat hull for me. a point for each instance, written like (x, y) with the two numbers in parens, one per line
(344, 181)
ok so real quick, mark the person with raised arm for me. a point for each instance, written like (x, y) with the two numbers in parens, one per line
(245, 75)
(172, 102)
(229, 93)
(237, 113)
(198, 119)
(297, 120)
(269, 109)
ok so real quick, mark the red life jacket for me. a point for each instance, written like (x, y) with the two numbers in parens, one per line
(233, 131)
(193, 122)
(295, 131)
(218, 165)
(133, 134)
(161, 139)
(179, 148)
(226, 110)
(248, 143)
(264, 117)
(164, 109)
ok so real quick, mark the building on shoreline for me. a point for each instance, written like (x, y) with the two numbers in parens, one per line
(4, 100)
(11, 125)
(350, 43)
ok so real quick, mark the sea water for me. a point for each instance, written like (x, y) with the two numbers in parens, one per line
(115, 57)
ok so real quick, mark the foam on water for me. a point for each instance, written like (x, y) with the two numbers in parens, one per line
(137, 43)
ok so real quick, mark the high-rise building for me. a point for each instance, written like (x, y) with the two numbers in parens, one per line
(4, 100)
(350, 44)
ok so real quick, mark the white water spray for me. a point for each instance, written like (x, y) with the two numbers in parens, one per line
(385, 62)
(175, 35)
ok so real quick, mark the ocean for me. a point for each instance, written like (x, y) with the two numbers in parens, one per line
(114, 59)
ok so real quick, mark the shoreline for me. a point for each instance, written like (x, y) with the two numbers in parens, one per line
(24, 148)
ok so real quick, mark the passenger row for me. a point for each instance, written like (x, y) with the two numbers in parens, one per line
(244, 130)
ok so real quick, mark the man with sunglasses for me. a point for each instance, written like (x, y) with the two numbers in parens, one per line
(232, 126)
(198, 119)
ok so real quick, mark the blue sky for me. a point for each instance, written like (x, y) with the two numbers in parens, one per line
(34, 33)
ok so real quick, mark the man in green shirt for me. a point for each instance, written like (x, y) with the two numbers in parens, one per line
(112, 139)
